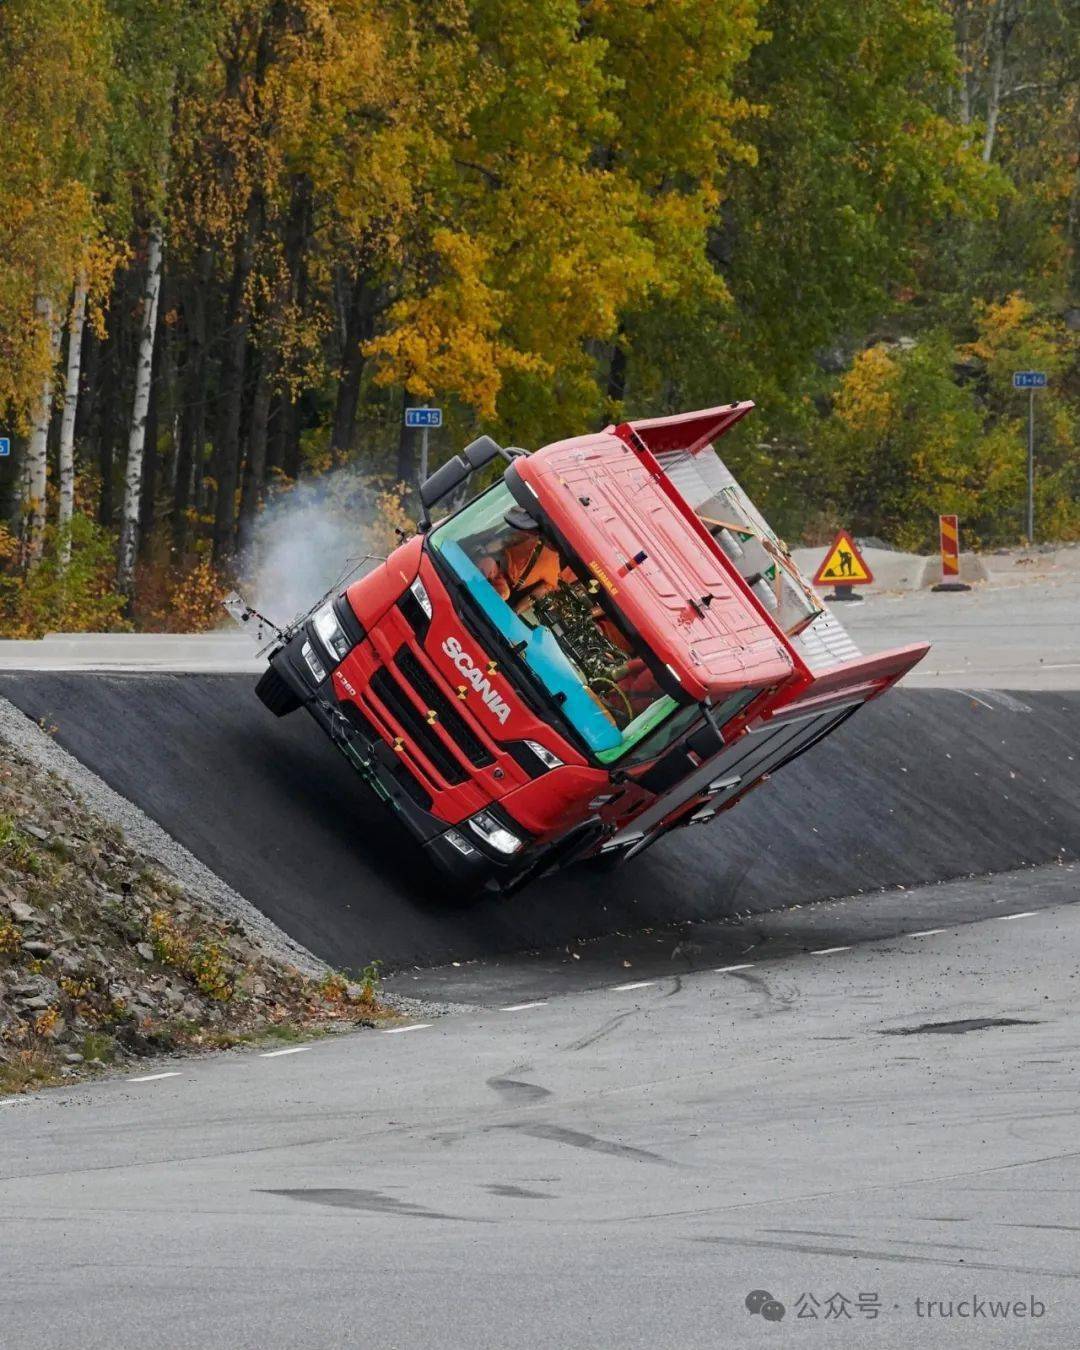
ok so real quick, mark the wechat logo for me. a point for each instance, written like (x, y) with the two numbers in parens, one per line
(761, 1302)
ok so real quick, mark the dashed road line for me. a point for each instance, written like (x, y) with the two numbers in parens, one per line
(153, 1077)
(828, 951)
(520, 1007)
(634, 984)
(723, 970)
(413, 1026)
(1027, 914)
(925, 932)
(291, 1050)
(974, 697)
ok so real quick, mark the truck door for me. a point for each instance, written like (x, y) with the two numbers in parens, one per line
(791, 726)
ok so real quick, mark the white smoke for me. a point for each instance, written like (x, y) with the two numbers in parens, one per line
(305, 538)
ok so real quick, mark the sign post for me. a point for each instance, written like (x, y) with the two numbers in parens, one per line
(845, 567)
(425, 419)
(1030, 380)
(949, 535)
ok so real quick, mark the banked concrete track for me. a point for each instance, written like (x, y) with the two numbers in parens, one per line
(922, 786)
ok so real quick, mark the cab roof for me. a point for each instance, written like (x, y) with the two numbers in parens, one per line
(608, 497)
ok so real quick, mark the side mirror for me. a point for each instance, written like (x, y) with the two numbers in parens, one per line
(482, 451)
(443, 481)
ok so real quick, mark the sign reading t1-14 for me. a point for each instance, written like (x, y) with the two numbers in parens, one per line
(1029, 379)
(423, 417)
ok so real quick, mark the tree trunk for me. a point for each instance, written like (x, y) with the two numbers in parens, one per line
(616, 381)
(359, 329)
(36, 468)
(998, 40)
(129, 530)
(192, 445)
(67, 422)
(406, 458)
(290, 434)
(255, 464)
(227, 443)
(151, 471)
(107, 431)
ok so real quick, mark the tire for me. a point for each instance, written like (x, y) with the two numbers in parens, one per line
(276, 694)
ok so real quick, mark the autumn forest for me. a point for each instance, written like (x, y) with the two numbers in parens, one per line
(239, 237)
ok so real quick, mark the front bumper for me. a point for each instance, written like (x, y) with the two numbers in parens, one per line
(382, 770)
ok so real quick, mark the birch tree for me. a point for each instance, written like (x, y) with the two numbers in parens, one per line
(129, 530)
(67, 423)
(36, 467)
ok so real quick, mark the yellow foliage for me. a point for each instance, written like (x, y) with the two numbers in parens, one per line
(867, 398)
(448, 338)
(178, 599)
(10, 938)
(46, 1022)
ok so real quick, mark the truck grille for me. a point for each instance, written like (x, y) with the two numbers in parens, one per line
(401, 771)
(455, 726)
(416, 726)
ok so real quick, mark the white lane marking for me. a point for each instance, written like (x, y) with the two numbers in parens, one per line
(636, 984)
(968, 694)
(414, 1026)
(153, 1077)
(520, 1007)
(1027, 914)
(292, 1050)
(924, 932)
(722, 970)
(828, 951)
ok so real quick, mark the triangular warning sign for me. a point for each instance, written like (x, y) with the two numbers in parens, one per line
(843, 565)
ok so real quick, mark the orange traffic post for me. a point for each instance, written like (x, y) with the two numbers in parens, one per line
(949, 530)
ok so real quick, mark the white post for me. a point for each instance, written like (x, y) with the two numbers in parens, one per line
(129, 530)
(1031, 470)
(424, 454)
(67, 422)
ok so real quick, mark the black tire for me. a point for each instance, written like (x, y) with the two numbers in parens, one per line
(276, 694)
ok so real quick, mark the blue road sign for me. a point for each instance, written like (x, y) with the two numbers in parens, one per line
(1029, 379)
(423, 417)
(5, 446)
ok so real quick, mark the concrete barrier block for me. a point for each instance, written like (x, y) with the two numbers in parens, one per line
(972, 568)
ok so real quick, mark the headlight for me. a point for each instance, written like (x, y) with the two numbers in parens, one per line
(316, 667)
(420, 595)
(331, 634)
(493, 832)
(544, 755)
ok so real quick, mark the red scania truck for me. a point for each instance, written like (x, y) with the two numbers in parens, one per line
(607, 644)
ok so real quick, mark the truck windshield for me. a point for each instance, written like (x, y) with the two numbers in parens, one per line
(555, 623)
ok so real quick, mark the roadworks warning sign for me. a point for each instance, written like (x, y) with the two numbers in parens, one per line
(843, 565)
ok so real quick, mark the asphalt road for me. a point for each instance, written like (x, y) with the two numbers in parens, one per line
(920, 786)
(615, 1168)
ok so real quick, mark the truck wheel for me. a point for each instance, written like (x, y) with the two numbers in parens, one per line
(276, 694)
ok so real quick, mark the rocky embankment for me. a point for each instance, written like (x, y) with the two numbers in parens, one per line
(104, 959)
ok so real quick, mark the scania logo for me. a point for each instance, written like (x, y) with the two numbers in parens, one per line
(494, 701)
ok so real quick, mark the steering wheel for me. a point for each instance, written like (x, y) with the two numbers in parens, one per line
(606, 695)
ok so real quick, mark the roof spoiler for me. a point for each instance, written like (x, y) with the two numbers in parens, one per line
(691, 431)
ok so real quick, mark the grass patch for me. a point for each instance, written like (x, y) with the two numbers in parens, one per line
(283, 1031)
(97, 1045)
(29, 1069)
(18, 849)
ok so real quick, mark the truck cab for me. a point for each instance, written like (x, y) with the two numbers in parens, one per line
(605, 644)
